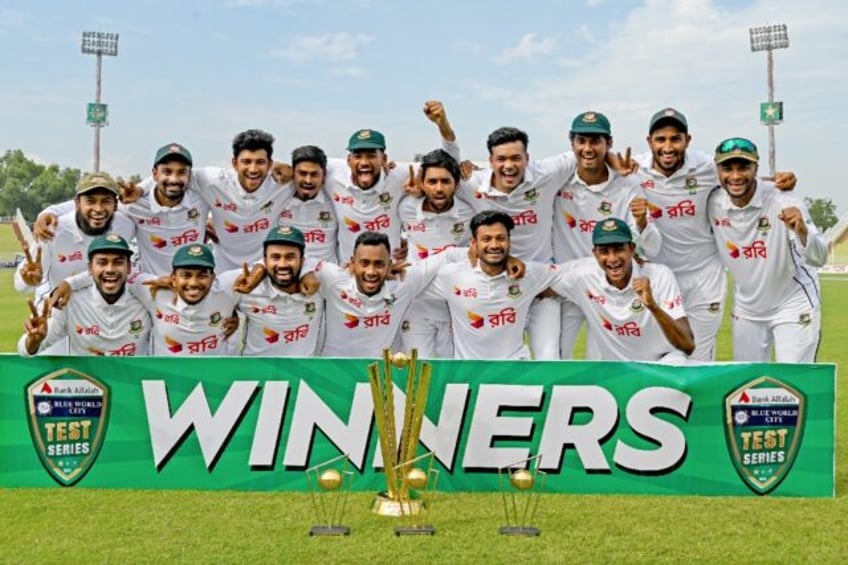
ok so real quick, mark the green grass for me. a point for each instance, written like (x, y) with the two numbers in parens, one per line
(8, 243)
(79, 524)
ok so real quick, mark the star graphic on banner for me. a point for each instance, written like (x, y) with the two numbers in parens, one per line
(771, 111)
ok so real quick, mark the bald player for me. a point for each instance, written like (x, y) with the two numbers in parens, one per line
(771, 247)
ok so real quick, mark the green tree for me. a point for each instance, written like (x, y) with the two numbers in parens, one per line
(822, 212)
(30, 186)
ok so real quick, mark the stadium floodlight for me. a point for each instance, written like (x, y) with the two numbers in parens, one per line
(768, 38)
(98, 43)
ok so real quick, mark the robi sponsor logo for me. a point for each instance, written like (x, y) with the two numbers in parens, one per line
(75, 256)
(352, 225)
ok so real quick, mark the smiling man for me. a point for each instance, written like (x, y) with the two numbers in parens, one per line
(634, 312)
(770, 246)
(102, 320)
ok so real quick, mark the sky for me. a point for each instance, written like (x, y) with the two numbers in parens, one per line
(314, 71)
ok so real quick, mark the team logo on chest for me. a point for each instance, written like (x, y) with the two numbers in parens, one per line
(514, 290)
(637, 306)
(531, 195)
(385, 200)
(404, 327)
(605, 208)
(215, 319)
(266, 208)
(458, 229)
(309, 310)
(136, 326)
(324, 217)
(714, 307)
(192, 215)
(691, 184)
(763, 225)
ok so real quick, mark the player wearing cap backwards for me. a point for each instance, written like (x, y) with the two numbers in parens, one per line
(634, 312)
(677, 181)
(365, 193)
(526, 190)
(165, 218)
(102, 320)
(436, 222)
(771, 248)
(281, 320)
(311, 209)
(363, 308)
(594, 193)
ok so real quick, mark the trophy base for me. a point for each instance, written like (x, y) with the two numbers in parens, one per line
(415, 531)
(329, 531)
(529, 531)
(386, 506)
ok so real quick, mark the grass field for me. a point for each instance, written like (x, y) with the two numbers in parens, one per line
(76, 525)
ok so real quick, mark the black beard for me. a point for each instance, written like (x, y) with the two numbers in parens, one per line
(286, 288)
(82, 224)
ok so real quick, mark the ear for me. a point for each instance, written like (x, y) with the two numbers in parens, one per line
(235, 161)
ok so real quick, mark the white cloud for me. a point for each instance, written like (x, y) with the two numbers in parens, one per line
(331, 47)
(528, 48)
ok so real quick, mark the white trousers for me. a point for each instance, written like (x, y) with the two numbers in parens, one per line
(794, 341)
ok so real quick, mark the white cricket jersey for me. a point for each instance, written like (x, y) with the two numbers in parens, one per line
(530, 204)
(92, 326)
(579, 206)
(181, 329)
(242, 219)
(430, 233)
(279, 324)
(621, 327)
(489, 313)
(161, 230)
(317, 220)
(362, 326)
(677, 206)
(774, 276)
(67, 253)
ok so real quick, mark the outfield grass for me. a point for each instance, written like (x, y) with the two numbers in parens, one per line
(79, 524)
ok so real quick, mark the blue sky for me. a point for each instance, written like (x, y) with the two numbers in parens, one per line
(313, 71)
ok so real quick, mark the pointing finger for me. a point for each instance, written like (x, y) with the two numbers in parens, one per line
(32, 308)
(246, 270)
(38, 256)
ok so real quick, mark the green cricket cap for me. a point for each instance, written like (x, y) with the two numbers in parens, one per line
(285, 235)
(591, 122)
(668, 116)
(194, 255)
(366, 139)
(736, 148)
(109, 243)
(612, 230)
(172, 151)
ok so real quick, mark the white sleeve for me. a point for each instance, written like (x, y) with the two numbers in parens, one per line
(561, 167)
(79, 281)
(59, 209)
(451, 148)
(422, 273)
(565, 280)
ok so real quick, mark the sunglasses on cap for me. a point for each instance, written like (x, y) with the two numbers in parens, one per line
(736, 144)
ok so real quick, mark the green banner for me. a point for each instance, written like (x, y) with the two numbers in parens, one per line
(258, 424)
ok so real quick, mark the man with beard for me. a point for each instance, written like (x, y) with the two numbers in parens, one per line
(678, 180)
(311, 209)
(432, 224)
(594, 193)
(365, 193)
(281, 321)
(166, 218)
(488, 308)
(363, 307)
(771, 247)
(102, 320)
(634, 312)
(94, 214)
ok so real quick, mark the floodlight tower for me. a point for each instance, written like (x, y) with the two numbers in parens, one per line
(768, 38)
(98, 43)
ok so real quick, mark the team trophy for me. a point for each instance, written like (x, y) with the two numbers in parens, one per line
(329, 485)
(420, 485)
(402, 498)
(520, 484)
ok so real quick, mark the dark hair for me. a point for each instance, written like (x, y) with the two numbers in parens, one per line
(309, 154)
(440, 159)
(506, 135)
(372, 238)
(253, 140)
(491, 217)
(572, 135)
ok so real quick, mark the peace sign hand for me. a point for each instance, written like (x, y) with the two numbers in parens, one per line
(31, 271)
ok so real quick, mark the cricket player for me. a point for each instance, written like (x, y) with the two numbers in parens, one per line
(677, 181)
(311, 209)
(104, 319)
(431, 224)
(526, 191)
(281, 320)
(365, 193)
(771, 248)
(634, 312)
(594, 193)
(488, 308)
